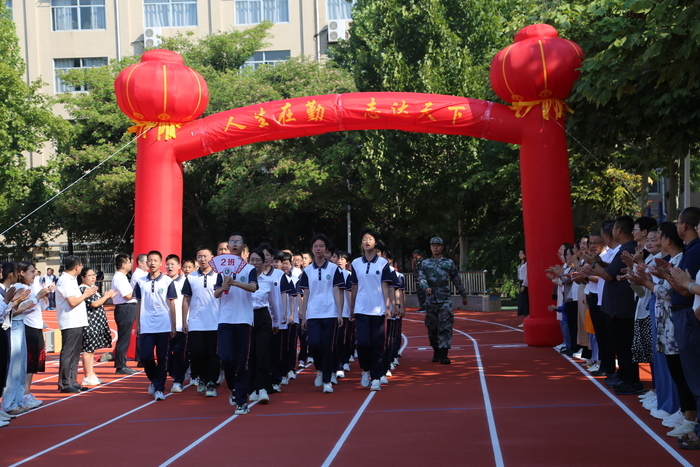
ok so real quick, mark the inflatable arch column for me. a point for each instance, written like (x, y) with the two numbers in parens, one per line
(534, 74)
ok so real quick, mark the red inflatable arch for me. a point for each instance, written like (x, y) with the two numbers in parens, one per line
(535, 74)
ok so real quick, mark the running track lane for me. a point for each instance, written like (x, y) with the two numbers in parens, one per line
(544, 409)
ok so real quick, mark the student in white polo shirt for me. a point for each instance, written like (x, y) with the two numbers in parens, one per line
(369, 305)
(155, 322)
(235, 294)
(124, 312)
(200, 318)
(321, 309)
(72, 317)
(273, 274)
(177, 350)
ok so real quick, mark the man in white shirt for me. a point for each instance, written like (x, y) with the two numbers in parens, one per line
(140, 271)
(72, 318)
(177, 351)
(46, 281)
(124, 311)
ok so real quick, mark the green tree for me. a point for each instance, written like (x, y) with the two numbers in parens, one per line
(27, 124)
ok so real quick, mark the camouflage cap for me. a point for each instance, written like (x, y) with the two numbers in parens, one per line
(436, 240)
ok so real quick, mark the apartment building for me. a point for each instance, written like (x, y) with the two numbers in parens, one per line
(57, 35)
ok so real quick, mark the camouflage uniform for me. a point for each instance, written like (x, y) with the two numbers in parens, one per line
(439, 317)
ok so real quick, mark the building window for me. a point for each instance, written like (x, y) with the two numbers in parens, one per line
(62, 65)
(339, 9)
(170, 13)
(257, 11)
(71, 15)
(270, 57)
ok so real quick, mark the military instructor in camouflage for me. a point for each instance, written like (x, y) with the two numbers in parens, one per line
(434, 280)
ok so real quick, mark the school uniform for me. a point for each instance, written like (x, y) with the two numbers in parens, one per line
(370, 311)
(288, 288)
(202, 325)
(124, 312)
(155, 323)
(234, 331)
(177, 349)
(344, 333)
(318, 283)
(71, 321)
(265, 318)
(392, 325)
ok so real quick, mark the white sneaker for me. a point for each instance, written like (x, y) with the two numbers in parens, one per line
(292, 375)
(684, 428)
(327, 388)
(5, 416)
(383, 380)
(285, 381)
(177, 387)
(263, 397)
(151, 389)
(276, 388)
(253, 397)
(376, 385)
(594, 367)
(650, 403)
(211, 391)
(30, 402)
(302, 364)
(389, 374)
(649, 393)
(232, 399)
(4, 423)
(334, 378)
(90, 381)
(340, 374)
(242, 409)
(222, 377)
(396, 361)
(309, 361)
(351, 359)
(364, 380)
(346, 367)
(318, 382)
(659, 414)
(673, 420)
(194, 381)
(201, 387)
(392, 367)
(159, 396)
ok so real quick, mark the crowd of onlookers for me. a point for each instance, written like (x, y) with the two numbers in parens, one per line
(626, 295)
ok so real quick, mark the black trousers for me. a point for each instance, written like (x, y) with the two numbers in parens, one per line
(291, 355)
(202, 346)
(124, 317)
(155, 367)
(321, 336)
(261, 348)
(393, 340)
(606, 353)
(685, 395)
(234, 352)
(622, 332)
(370, 343)
(72, 343)
(4, 356)
(177, 357)
(280, 349)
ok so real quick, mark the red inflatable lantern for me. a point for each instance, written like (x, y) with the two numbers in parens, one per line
(175, 94)
(539, 69)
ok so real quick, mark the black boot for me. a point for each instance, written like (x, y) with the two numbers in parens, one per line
(436, 355)
(443, 357)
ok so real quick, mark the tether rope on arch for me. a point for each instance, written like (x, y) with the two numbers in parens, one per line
(71, 185)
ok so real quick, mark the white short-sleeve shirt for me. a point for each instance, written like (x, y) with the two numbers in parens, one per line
(121, 285)
(236, 306)
(69, 317)
(204, 307)
(154, 296)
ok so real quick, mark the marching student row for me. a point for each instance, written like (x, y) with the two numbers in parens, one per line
(244, 323)
(629, 294)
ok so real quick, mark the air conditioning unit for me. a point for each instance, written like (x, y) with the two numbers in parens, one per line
(336, 30)
(151, 37)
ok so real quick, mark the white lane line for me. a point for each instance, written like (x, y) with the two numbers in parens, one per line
(496, 445)
(207, 435)
(632, 415)
(356, 418)
(63, 443)
(202, 438)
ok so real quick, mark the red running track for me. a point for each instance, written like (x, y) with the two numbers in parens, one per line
(499, 403)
